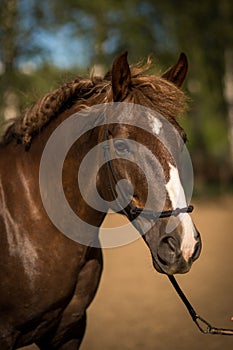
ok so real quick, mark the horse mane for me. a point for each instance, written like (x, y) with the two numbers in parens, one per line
(147, 90)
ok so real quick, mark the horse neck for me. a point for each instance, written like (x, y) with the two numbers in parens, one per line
(28, 164)
(78, 150)
(73, 186)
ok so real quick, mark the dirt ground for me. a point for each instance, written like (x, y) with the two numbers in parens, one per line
(137, 308)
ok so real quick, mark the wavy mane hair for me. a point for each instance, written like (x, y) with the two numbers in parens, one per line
(150, 91)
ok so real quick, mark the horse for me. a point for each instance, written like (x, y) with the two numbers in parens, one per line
(48, 279)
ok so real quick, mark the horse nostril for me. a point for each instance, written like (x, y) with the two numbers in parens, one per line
(170, 243)
(197, 250)
(167, 250)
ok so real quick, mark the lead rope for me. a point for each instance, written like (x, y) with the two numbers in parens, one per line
(203, 325)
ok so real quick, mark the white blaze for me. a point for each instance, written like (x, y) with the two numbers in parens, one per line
(178, 200)
(156, 124)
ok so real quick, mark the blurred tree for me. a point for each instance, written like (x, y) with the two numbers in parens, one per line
(8, 51)
(17, 43)
(108, 26)
(203, 30)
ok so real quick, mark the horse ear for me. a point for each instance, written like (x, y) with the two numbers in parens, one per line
(177, 73)
(121, 77)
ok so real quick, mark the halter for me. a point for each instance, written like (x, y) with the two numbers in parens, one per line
(134, 211)
(203, 325)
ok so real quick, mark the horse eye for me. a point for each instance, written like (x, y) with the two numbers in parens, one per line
(121, 146)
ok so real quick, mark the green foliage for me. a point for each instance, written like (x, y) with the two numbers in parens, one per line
(104, 28)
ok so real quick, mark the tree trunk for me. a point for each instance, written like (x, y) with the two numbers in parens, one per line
(9, 11)
(8, 41)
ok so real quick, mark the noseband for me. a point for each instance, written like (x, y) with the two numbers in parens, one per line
(134, 211)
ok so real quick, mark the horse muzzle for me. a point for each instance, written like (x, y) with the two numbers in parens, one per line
(169, 258)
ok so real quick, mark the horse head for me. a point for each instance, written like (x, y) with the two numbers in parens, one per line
(145, 148)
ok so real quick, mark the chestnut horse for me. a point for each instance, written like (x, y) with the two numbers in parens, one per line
(47, 279)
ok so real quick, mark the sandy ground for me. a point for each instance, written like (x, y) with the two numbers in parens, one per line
(137, 308)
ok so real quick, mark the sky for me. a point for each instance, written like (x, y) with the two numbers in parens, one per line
(63, 52)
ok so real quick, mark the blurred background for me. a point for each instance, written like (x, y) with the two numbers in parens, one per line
(45, 43)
